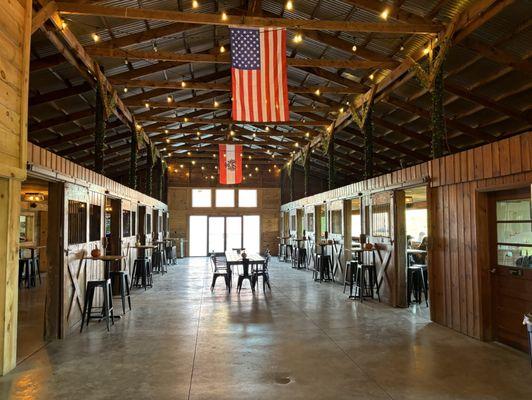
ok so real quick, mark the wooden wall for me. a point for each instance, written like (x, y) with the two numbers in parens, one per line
(15, 31)
(268, 203)
(458, 246)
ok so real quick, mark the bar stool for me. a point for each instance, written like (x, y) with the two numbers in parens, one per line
(323, 268)
(366, 282)
(289, 249)
(281, 249)
(158, 262)
(142, 274)
(301, 258)
(107, 308)
(417, 283)
(349, 276)
(123, 281)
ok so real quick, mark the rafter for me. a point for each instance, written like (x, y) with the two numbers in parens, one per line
(231, 20)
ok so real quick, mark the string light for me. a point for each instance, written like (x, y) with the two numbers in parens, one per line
(167, 140)
(181, 166)
(307, 134)
(155, 49)
(296, 144)
(426, 50)
(214, 156)
(222, 49)
(298, 38)
(249, 157)
(189, 153)
(267, 129)
(195, 4)
(138, 126)
(147, 104)
(385, 13)
(317, 92)
(166, 131)
(125, 89)
(289, 5)
(257, 169)
(193, 162)
(198, 133)
(185, 119)
(224, 16)
(354, 48)
(401, 48)
(371, 76)
(183, 84)
(169, 99)
(254, 135)
(232, 133)
(64, 25)
(216, 104)
(95, 37)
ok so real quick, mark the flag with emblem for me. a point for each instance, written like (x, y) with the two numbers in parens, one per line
(230, 167)
(258, 73)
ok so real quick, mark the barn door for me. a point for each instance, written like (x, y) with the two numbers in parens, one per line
(511, 262)
(75, 247)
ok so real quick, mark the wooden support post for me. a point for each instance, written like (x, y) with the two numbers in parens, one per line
(368, 144)
(291, 183)
(165, 187)
(149, 173)
(332, 166)
(99, 132)
(437, 116)
(306, 166)
(133, 160)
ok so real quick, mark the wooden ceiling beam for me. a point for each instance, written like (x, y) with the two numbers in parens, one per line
(59, 94)
(226, 59)
(499, 56)
(225, 87)
(46, 62)
(232, 20)
(228, 121)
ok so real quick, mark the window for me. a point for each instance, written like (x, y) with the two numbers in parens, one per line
(95, 223)
(26, 228)
(514, 233)
(380, 215)
(252, 233)
(126, 223)
(247, 198)
(225, 198)
(336, 221)
(133, 223)
(148, 224)
(292, 222)
(356, 221)
(77, 222)
(310, 222)
(201, 198)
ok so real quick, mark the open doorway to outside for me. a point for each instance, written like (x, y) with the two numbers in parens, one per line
(33, 266)
(416, 227)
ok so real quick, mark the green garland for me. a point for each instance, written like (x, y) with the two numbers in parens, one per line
(360, 120)
(133, 160)
(434, 66)
(305, 155)
(437, 115)
(160, 171)
(99, 133)
(149, 172)
(325, 140)
(332, 166)
(368, 144)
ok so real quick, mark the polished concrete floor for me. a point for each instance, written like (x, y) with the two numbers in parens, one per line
(303, 340)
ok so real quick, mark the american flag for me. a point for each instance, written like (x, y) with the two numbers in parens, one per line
(260, 88)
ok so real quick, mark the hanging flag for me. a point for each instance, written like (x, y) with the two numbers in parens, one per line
(259, 82)
(230, 167)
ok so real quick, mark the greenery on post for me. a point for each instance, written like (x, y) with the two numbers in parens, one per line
(99, 132)
(133, 160)
(437, 115)
(368, 143)
(332, 166)
(149, 171)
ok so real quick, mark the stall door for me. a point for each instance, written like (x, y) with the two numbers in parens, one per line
(76, 247)
(511, 260)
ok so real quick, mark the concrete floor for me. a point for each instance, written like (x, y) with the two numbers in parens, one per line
(302, 341)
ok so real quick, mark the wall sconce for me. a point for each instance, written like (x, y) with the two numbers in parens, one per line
(33, 197)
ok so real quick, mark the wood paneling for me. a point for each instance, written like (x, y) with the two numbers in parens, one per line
(458, 243)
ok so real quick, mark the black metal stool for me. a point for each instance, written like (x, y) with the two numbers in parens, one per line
(122, 277)
(417, 283)
(366, 281)
(158, 262)
(350, 275)
(323, 263)
(301, 258)
(107, 308)
(142, 274)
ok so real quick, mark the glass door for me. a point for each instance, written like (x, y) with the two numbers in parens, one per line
(234, 233)
(252, 233)
(216, 234)
(197, 236)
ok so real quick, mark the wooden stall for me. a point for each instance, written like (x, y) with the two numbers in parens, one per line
(462, 270)
(91, 211)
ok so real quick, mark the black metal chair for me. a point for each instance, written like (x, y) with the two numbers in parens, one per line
(243, 275)
(219, 268)
(261, 270)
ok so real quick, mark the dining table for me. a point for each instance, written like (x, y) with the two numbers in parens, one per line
(233, 258)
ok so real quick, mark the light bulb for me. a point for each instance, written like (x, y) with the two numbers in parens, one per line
(224, 16)
(222, 49)
(169, 99)
(289, 5)
(195, 4)
(125, 89)
(385, 13)
(95, 37)
(354, 48)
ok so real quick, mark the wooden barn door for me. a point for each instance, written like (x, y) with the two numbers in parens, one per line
(511, 262)
(75, 247)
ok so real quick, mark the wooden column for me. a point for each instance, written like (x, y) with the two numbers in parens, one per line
(99, 132)
(332, 166)
(306, 167)
(149, 172)
(368, 144)
(165, 187)
(15, 33)
(291, 182)
(133, 160)
(437, 114)
(160, 178)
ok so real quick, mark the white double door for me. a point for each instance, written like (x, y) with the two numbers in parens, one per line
(221, 233)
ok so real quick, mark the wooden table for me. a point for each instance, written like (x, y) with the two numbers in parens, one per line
(233, 258)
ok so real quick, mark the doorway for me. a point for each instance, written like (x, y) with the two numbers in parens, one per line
(416, 231)
(221, 233)
(33, 267)
(113, 234)
(510, 244)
